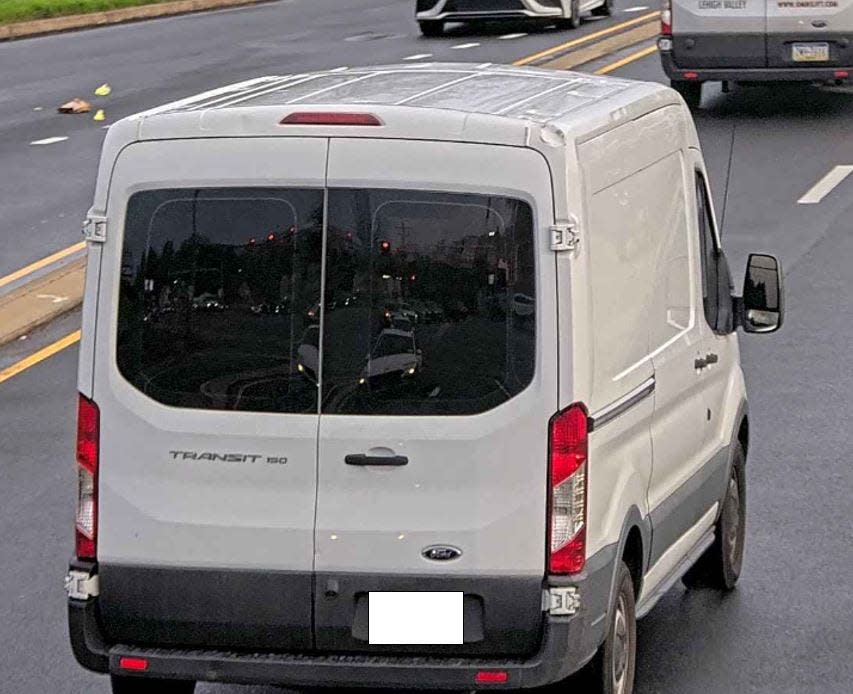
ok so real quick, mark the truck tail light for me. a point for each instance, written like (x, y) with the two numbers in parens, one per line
(568, 490)
(666, 18)
(86, 528)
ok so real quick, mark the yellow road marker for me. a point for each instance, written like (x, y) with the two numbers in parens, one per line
(44, 262)
(626, 60)
(586, 39)
(39, 356)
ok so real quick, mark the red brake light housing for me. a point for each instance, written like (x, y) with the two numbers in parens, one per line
(88, 441)
(567, 487)
(330, 118)
(666, 18)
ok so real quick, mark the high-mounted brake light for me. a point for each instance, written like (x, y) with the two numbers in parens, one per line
(310, 118)
(86, 527)
(133, 664)
(568, 448)
(666, 18)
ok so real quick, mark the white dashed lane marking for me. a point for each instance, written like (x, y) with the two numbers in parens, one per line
(510, 37)
(826, 185)
(463, 46)
(418, 56)
(49, 141)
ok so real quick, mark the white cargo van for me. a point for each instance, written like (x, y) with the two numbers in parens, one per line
(755, 41)
(531, 484)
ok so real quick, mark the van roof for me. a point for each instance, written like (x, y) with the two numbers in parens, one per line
(498, 90)
(523, 95)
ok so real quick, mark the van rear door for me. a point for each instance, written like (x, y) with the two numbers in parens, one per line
(208, 466)
(809, 33)
(719, 33)
(433, 431)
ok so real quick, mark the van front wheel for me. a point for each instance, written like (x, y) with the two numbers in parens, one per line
(146, 685)
(691, 92)
(720, 566)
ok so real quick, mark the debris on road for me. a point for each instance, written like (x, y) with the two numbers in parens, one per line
(77, 105)
(103, 90)
(100, 115)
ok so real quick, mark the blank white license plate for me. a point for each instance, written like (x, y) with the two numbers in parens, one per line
(810, 52)
(415, 618)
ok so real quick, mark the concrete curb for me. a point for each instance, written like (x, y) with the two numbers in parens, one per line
(39, 302)
(18, 30)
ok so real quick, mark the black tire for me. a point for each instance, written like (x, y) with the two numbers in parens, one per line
(147, 685)
(691, 92)
(612, 669)
(605, 10)
(720, 566)
(431, 28)
(574, 21)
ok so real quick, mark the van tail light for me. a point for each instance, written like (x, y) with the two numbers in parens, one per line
(568, 490)
(666, 18)
(88, 425)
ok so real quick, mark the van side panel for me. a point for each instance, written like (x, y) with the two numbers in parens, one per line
(631, 202)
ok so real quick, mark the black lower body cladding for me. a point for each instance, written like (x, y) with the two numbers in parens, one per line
(272, 611)
(806, 73)
(506, 628)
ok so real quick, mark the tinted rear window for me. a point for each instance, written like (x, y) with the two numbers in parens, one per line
(215, 292)
(428, 307)
(443, 270)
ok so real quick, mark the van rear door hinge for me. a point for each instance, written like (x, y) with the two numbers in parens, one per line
(565, 235)
(95, 229)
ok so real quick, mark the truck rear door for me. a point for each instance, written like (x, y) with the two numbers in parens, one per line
(719, 33)
(433, 431)
(207, 477)
(809, 33)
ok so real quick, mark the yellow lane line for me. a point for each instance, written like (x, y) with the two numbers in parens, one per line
(642, 53)
(586, 39)
(44, 262)
(39, 356)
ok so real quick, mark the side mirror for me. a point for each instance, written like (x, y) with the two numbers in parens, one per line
(762, 305)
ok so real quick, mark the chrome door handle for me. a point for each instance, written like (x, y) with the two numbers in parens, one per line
(711, 358)
(700, 363)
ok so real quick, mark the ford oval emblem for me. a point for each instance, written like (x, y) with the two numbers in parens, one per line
(441, 553)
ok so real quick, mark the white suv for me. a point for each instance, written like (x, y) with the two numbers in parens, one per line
(432, 15)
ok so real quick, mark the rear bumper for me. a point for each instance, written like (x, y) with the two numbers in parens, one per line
(562, 652)
(753, 74)
(463, 10)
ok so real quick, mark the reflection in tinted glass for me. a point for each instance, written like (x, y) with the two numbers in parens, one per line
(216, 294)
(430, 304)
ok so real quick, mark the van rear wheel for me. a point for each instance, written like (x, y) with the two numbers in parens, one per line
(612, 669)
(691, 92)
(147, 685)
(720, 566)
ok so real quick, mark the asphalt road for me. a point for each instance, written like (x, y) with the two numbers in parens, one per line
(789, 625)
(45, 190)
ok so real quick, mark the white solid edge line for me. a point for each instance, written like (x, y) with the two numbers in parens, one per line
(49, 140)
(826, 185)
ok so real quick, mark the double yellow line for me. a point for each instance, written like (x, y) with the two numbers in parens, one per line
(74, 337)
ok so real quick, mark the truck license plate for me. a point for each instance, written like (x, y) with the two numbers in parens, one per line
(810, 52)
